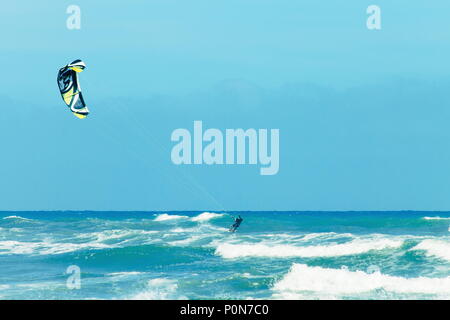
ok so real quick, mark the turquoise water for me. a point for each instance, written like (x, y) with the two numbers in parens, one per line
(191, 255)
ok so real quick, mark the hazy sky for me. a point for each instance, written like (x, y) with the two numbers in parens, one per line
(363, 114)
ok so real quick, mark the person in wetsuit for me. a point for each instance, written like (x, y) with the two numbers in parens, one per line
(237, 222)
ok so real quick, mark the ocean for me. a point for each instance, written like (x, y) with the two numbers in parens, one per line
(191, 255)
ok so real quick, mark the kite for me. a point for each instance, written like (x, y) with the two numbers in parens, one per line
(70, 89)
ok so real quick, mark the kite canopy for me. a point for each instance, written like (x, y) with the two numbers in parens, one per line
(70, 88)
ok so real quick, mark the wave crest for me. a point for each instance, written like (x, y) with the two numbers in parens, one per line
(229, 251)
(303, 279)
(437, 248)
(168, 217)
(436, 218)
(206, 216)
(159, 289)
(16, 218)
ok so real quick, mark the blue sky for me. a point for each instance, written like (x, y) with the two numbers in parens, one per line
(363, 115)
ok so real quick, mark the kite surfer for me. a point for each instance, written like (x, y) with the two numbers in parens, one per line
(237, 222)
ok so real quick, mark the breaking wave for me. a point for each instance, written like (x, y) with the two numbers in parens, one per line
(167, 217)
(91, 241)
(302, 279)
(206, 216)
(159, 289)
(229, 251)
(16, 218)
(45, 248)
(437, 248)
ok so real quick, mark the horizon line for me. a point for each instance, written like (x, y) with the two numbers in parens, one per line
(226, 211)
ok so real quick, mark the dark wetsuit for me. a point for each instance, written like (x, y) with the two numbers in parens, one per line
(236, 224)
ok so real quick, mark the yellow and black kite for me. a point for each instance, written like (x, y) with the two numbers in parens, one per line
(70, 88)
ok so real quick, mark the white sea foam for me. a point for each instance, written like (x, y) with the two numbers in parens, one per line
(280, 235)
(7, 230)
(49, 285)
(124, 274)
(186, 241)
(116, 234)
(95, 240)
(358, 246)
(16, 218)
(437, 248)
(271, 239)
(44, 248)
(59, 248)
(181, 230)
(326, 235)
(159, 289)
(218, 229)
(436, 218)
(17, 247)
(206, 216)
(167, 217)
(302, 279)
